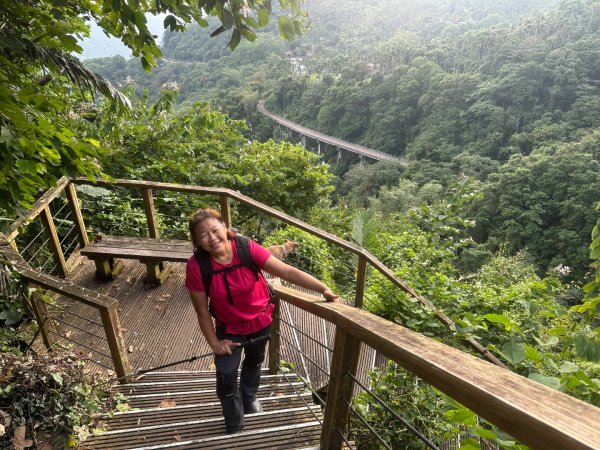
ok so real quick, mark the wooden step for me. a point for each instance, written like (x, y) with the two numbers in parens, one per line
(183, 375)
(287, 437)
(144, 387)
(158, 416)
(184, 397)
(196, 431)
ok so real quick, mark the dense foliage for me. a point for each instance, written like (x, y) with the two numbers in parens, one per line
(42, 83)
(47, 400)
(475, 91)
(494, 104)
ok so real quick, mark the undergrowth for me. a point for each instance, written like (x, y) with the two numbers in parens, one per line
(48, 401)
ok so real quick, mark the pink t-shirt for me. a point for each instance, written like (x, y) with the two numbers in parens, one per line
(250, 311)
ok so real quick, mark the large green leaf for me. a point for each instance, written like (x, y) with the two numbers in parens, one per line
(552, 382)
(263, 17)
(498, 318)
(286, 28)
(586, 348)
(513, 352)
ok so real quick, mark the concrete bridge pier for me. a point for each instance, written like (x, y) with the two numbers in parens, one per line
(339, 154)
(303, 140)
(318, 147)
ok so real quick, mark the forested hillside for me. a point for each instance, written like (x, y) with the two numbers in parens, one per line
(504, 92)
(495, 104)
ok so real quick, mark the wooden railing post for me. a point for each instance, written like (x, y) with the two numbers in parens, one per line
(77, 217)
(151, 218)
(116, 342)
(40, 309)
(275, 342)
(59, 257)
(339, 395)
(225, 210)
(360, 281)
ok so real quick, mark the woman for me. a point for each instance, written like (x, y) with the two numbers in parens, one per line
(239, 302)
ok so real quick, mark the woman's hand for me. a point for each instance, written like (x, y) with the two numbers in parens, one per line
(224, 347)
(330, 296)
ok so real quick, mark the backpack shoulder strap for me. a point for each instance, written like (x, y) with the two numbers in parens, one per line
(203, 259)
(243, 251)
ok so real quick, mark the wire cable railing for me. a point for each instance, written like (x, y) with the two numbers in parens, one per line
(392, 412)
(75, 320)
(297, 393)
(354, 329)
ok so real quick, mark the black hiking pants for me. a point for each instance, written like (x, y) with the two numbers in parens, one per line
(235, 398)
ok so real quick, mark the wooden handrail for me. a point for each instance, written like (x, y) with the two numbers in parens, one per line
(107, 306)
(37, 208)
(534, 414)
(363, 254)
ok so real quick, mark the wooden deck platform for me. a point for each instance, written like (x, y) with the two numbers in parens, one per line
(160, 325)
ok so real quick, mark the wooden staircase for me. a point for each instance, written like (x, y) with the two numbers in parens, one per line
(180, 410)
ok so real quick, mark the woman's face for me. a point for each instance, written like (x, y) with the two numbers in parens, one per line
(211, 235)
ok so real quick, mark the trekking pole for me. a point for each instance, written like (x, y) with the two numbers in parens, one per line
(257, 340)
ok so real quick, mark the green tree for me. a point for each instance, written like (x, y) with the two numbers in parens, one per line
(156, 142)
(543, 203)
(364, 181)
(41, 83)
(282, 175)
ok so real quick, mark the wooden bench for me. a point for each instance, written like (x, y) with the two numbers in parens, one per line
(154, 253)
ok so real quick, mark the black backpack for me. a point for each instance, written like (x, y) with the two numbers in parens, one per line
(243, 250)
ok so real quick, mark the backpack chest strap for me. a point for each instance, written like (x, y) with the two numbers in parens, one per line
(224, 271)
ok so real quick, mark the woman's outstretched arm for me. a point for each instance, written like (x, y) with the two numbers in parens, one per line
(295, 276)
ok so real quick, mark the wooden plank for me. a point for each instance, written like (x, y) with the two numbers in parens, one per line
(360, 282)
(116, 342)
(531, 412)
(142, 249)
(225, 210)
(78, 218)
(151, 218)
(149, 417)
(134, 253)
(206, 430)
(275, 342)
(143, 242)
(40, 309)
(54, 242)
(37, 207)
(341, 386)
(68, 289)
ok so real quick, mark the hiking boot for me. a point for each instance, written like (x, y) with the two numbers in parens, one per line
(252, 406)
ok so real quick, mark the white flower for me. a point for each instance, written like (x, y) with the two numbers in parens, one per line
(562, 269)
(171, 86)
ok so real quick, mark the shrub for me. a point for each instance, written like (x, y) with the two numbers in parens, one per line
(48, 397)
